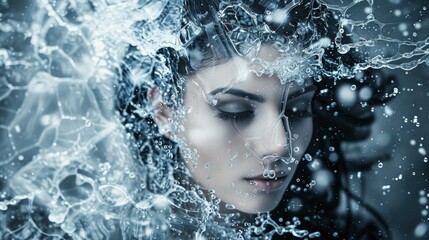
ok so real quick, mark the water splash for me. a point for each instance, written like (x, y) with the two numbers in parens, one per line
(64, 151)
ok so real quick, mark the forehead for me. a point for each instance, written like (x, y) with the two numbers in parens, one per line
(237, 73)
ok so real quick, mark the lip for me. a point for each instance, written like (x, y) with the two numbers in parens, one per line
(261, 183)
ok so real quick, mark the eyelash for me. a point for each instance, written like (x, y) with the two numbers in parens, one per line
(243, 116)
(240, 116)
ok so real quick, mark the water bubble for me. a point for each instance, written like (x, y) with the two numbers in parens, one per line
(380, 165)
(422, 151)
(314, 235)
(294, 204)
(88, 123)
(3, 56)
(365, 93)
(17, 128)
(388, 111)
(420, 230)
(343, 49)
(397, 12)
(308, 157)
(3, 206)
(315, 165)
(57, 216)
(418, 25)
(333, 157)
(319, 78)
(265, 173)
(271, 174)
(346, 95)
(68, 227)
(229, 206)
(368, 10)
(402, 27)
(323, 179)
(296, 149)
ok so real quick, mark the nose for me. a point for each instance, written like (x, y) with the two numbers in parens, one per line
(275, 136)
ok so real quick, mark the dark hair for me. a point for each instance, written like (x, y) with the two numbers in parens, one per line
(205, 31)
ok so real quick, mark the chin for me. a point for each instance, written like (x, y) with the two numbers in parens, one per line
(254, 206)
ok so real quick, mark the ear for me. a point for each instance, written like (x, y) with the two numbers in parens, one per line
(162, 113)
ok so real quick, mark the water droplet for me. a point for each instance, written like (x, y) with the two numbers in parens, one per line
(314, 235)
(422, 151)
(17, 128)
(271, 174)
(3, 206)
(420, 230)
(265, 173)
(229, 206)
(343, 49)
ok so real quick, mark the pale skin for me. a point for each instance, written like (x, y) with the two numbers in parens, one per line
(246, 132)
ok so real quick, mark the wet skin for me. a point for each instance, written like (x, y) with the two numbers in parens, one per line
(241, 127)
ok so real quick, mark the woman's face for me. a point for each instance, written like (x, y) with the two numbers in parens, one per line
(249, 132)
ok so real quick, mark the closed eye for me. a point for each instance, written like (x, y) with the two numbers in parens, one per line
(237, 110)
(239, 116)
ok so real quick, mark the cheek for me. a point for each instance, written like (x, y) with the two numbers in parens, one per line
(206, 134)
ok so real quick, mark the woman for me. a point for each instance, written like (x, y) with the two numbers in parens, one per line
(229, 116)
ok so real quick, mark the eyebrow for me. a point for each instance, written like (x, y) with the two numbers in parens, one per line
(259, 98)
(239, 93)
